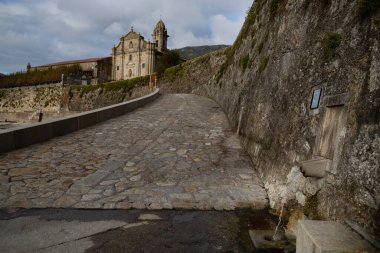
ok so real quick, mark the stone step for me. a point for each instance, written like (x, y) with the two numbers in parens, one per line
(328, 236)
(316, 167)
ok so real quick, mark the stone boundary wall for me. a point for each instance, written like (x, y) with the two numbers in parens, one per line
(45, 97)
(24, 136)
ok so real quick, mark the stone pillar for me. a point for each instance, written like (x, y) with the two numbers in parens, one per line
(122, 59)
(113, 71)
(139, 60)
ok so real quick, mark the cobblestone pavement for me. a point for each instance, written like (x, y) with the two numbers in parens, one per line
(177, 152)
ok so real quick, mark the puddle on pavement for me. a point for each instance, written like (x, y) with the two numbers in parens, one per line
(177, 231)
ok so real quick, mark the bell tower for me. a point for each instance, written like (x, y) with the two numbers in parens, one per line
(160, 36)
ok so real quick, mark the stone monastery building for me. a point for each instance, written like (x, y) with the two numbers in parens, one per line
(131, 58)
(134, 56)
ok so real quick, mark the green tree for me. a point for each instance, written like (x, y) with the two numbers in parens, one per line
(168, 60)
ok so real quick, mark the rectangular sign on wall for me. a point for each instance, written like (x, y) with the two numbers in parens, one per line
(316, 98)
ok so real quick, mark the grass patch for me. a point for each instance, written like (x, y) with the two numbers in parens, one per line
(259, 4)
(260, 47)
(253, 43)
(203, 59)
(332, 43)
(229, 52)
(252, 15)
(368, 7)
(87, 88)
(244, 62)
(274, 6)
(174, 72)
(170, 59)
(263, 64)
(221, 72)
(122, 85)
(250, 19)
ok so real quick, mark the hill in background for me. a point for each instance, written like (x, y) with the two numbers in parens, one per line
(189, 53)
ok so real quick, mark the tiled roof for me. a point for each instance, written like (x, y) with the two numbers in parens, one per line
(73, 62)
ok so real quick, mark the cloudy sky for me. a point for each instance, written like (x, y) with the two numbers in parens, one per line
(43, 31)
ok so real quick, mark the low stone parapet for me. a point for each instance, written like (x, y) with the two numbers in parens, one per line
(20, 137)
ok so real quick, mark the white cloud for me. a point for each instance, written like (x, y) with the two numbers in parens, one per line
(223, 29)
(115, 28)
(14, 10)
(42, 31)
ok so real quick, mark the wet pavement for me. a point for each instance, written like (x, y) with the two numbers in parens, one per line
(178, 152)
(64, 230)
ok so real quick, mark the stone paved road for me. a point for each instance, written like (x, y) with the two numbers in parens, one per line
(177, 152)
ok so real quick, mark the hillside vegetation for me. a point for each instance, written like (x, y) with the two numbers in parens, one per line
(32, 78)
(189, 53)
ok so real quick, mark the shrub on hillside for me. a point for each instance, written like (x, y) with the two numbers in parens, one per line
(32, 78)
(123, 85)
(173, 72)
(168, 60)
(332, 43)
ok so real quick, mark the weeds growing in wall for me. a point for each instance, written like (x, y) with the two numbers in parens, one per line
(260, 47)
(253, 15)
(263, 64)
(173, 72)
(332, 43)
(171, 58)
(274, 6)
(245, 62)
(123, 85)
(368, 7)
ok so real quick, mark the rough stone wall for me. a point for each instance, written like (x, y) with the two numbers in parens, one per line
(79, 100)
(190, 76)
(23, 104)
(284, 51)
(24, 99)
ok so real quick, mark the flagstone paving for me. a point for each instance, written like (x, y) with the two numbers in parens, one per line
(177, 152)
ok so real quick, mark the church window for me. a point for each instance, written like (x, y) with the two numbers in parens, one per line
(130, 57)
(117, 68)
(131, 44)
(143, 65)
(157, 43)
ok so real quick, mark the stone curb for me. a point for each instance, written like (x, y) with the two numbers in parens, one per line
(20, 137)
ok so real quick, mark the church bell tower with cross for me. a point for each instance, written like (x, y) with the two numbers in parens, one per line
(160, 36)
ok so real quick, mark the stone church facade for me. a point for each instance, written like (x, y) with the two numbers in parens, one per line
(134, 56)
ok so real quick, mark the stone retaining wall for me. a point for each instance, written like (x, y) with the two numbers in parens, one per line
(24, 136)
(265, 87)
(23, 104)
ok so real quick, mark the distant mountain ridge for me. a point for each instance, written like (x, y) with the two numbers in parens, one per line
(189, 53)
